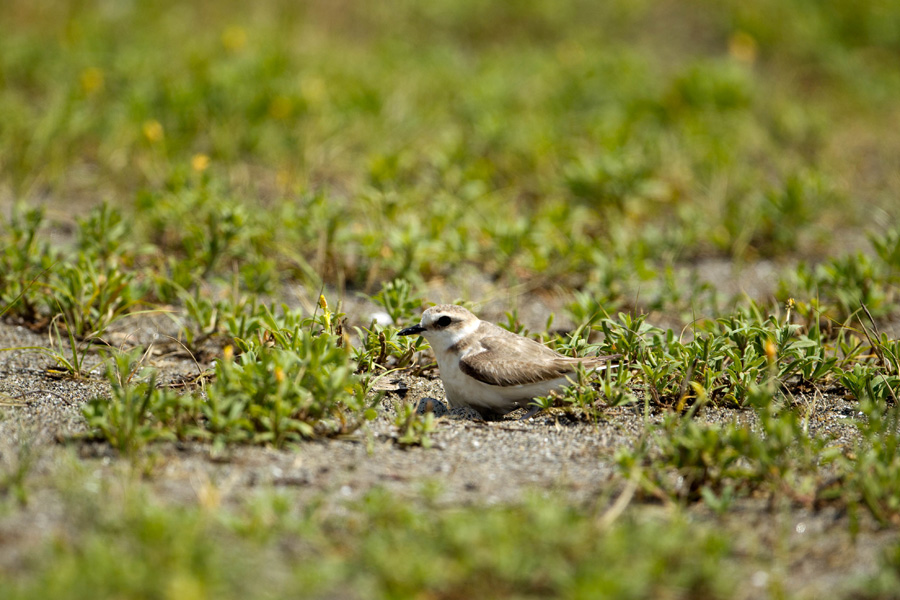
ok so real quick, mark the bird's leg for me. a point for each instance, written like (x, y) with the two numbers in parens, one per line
(533, 411)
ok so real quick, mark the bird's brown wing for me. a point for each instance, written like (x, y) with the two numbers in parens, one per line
(507, 359)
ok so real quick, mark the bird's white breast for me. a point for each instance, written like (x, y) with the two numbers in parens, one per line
(449, 347)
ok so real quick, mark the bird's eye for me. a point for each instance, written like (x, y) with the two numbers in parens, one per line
(443, 321)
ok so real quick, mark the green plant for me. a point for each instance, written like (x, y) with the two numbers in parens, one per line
(842, 285)
(543, 403)
(71, 360)
(205, 233)
(293, 381)
(625, 336)
(288, 384)
(870, 474)
(103, 234)
(414, 429)
(123, 541)
(615, 385)
(275, 396)
(720, 462)
(24, 259)
(398, 300)
(14, 470)
(131, 417)
(90, 296)
(381, 348)
(865, 382)
(203, 319)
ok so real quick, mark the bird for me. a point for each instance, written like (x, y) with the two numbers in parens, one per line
(490, 369)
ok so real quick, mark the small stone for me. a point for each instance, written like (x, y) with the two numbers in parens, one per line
(382, 318)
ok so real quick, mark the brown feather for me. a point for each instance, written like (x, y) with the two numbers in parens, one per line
(507, 359)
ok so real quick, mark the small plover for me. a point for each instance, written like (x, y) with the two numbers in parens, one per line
(490, 369)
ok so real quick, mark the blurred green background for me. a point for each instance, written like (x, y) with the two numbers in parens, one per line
(570, 143)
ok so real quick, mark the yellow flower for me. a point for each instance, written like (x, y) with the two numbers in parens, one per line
(199, 162)
(153, 130)
(743, 47)
(770, 350)
(91, 80)
(234, 38)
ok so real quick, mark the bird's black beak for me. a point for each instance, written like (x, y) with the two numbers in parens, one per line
(412, 330)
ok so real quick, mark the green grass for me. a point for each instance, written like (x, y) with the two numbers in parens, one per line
(559, 143)
(202, 159)
(269, 546)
